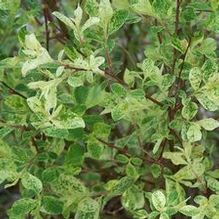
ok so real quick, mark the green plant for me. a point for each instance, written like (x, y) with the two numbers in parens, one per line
(115, 103)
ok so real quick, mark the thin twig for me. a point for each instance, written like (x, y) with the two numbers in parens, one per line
(13, 90)
(184, 57)
(116, 79)
(108, 59)
(158, 34)
(162, 145)
(45, 13)
(176, 33)
(154, 100)
(120, 150)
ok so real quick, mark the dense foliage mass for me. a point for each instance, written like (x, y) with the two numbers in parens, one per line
(109, 109)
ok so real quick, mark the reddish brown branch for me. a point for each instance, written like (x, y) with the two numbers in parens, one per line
(13, 90)
(158, 34)
(154, 100)
(46, 17)
(120, 150)
(176, 33)
(108, 59)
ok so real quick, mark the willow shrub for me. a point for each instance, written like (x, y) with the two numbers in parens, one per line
(110, 108)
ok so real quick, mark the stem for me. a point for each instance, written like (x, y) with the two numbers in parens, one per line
(13, 90)
(178, 2)
(163, 144)
(154, 100)
(46, 15)
(109, 61)
(183, 63)
(120, 150)
(158, 34)
(176, 33)
(116, 79)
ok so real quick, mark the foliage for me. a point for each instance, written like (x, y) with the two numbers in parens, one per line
(110, 103)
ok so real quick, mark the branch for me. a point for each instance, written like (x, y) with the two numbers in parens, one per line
(154, 100)
(46, 17)
(163, 144)
(13, 90)
(109, 61)
(178, 2)
(176, 32)
(184, 58)
(158, 34)
(116, 79)
(120, 150)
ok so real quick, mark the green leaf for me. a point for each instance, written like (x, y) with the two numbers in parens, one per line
(140, 214)
(5, 150)
(119, 111)
(194, 132)
(209, 69)
(177, 44)
(158, 200)
(195, 77)
(22, 207)
(206, 102)
(32, 43)
(164, 216)
(16, 102)
(174, 192)
(214, 200)
(4, 132)
(101, 130)
(208, 46)
(69, 123)
(75, 155)
(212, 184)
(189, 210)
(144, 7)
(136, 161)
(31, 182)
(87, 96)
(192, 171)
(117, 21)
(129, 77)
(189, 110)
(56, 133)
(69, 186)
(208, 124)
(78, 13)
(122, 185)
(176, 157)
(95, 63)
(34, 49)
(118, 90)
(105, 13)
(49, 175)
(163, 7)
(35, 104)
(87, 209)
(90, 22)
(75, 81)
(91, 7)
(122, 158)
(157, 145)
(67, 21)
(155, 170)
(133, 199)
(131, 171)
(51, 205)
(94, 148)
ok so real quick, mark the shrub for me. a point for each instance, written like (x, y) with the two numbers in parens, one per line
(110, 109)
